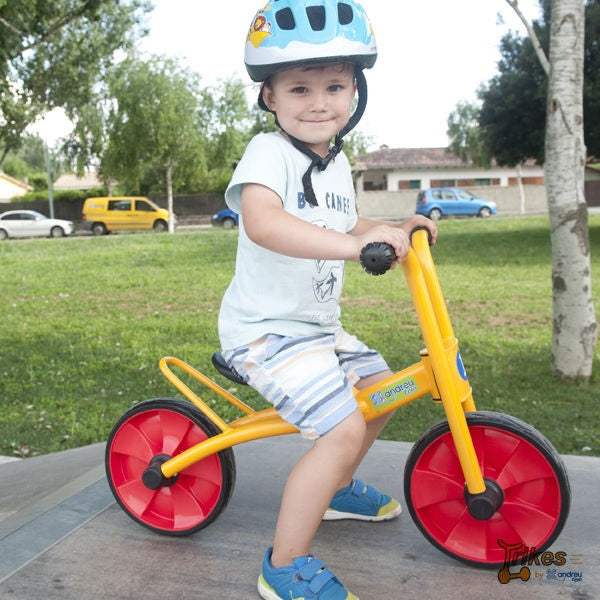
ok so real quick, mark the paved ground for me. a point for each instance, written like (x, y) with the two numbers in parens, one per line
(63, 537)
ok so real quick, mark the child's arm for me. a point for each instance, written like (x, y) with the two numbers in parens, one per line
(269, 226)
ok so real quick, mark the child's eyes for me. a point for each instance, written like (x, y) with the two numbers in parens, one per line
(335, 87)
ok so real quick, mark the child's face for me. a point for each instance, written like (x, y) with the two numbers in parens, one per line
(312, 103)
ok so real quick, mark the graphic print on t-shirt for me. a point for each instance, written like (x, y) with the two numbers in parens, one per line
(328, 279)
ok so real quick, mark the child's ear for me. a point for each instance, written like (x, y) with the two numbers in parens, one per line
(267, 96)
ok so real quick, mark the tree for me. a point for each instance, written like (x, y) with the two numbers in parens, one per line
(53, 53)
(154, 125)
(574, 322)
(464, 133)
(513, 103)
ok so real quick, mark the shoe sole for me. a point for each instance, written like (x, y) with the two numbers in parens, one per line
(336, 515)
(267, 593)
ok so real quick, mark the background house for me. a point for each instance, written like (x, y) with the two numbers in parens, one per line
(387, 181)
(70, 181)
(12, 188)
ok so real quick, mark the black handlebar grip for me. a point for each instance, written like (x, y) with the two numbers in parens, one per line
(377, 257)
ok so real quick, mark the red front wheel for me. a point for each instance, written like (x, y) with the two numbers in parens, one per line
(157, 430)
(528, 479)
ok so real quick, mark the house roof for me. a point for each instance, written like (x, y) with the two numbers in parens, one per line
(392, 158)
(70, 181)
(16, 182)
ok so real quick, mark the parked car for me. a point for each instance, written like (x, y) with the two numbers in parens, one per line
(116, 213)
(30, 223)
(227, 218)
(436, 203)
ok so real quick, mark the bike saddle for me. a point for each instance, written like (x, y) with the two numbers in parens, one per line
(220, 365)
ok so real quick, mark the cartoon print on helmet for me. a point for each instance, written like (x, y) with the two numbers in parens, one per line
(260, 28)
(291, 32)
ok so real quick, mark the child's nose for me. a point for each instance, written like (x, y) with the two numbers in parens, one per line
(319, 100)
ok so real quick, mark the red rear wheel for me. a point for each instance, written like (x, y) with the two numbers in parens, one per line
(190, 500)
(521, 462)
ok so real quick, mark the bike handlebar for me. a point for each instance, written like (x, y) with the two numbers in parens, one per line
(376, 258)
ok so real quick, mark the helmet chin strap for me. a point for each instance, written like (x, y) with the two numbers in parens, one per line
(322, 162)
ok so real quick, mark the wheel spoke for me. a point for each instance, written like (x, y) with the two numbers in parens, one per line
(131, 441)
(136, 496)
(433, 488)
(175, 429)
(532, 526)
(187, 510)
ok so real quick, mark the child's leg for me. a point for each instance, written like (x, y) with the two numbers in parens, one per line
(311, 485)
(373, 428)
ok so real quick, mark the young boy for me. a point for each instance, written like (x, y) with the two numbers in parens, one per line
(279, 321)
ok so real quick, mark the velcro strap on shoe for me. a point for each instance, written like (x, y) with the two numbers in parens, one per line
(310, 569)
(320, 580)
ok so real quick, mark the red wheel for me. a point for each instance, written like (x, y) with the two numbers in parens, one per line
(527, 473)
(188, 501)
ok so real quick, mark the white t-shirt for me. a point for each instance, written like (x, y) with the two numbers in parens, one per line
(270, 292)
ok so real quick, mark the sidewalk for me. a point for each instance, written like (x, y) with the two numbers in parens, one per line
(63, 537)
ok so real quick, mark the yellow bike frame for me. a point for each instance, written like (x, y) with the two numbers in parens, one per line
(440, 372)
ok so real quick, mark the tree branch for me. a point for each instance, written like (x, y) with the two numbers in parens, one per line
(537, 46)
(65, 20)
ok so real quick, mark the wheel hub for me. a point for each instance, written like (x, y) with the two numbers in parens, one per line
(153, 477)
(485, 505)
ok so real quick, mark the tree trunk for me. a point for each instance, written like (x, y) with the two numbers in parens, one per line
(170, 197)
(574, 323)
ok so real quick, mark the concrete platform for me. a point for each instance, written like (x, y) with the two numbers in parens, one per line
(63, 537)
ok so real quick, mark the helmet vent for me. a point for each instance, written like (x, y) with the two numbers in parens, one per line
(316, 17)
(285, 19)
(345, 14)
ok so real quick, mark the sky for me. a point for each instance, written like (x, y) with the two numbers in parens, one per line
(431, 55)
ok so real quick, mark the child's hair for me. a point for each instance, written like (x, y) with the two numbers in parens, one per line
(343, 68)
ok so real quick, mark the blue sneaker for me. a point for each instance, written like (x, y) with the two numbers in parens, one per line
(362, 502)
(306, 579)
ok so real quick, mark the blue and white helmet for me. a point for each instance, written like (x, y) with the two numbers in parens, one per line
(286, 33)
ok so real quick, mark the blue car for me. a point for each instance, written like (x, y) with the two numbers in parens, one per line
(441, 202)
(226, 218)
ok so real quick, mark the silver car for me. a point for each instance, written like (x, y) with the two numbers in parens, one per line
(30, 223)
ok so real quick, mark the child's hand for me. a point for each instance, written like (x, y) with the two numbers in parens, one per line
(420, 221)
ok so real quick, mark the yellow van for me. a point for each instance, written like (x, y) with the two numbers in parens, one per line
(118, 213)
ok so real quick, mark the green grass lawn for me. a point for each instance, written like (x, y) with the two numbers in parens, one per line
(86, 319)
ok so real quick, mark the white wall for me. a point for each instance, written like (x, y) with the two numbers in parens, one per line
(9, 190)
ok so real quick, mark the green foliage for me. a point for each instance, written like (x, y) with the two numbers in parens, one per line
(63, 195)
(465, 134)
(153, 126)
(86, 320)
(53, 54)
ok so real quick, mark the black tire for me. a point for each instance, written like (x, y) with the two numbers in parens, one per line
(485, 212)
(515, 459)
(160, 226)
(57, 232)
(162, 428)
(99, 229)
(228, 223)
(435, 214)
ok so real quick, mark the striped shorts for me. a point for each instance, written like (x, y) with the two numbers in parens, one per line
(308, 380)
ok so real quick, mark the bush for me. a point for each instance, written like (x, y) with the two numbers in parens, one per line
(62, 195)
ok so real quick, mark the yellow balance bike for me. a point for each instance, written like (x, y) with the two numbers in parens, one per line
(471, 480)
